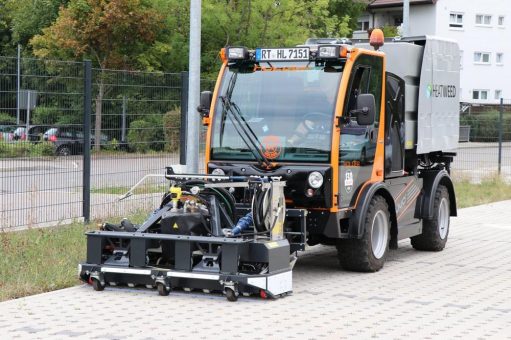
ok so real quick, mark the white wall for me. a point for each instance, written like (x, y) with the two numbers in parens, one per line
(422, 20)
(472, 38)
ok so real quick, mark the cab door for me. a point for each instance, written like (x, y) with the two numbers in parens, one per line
(357, 147)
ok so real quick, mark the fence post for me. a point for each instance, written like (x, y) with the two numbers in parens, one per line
(184, 118)
(87, 111)
(501, 126)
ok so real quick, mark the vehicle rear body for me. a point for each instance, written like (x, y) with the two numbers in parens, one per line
(403, 154)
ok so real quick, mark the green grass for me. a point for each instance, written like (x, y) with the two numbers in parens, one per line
(40, 260)
(148, 189)
(489, 190)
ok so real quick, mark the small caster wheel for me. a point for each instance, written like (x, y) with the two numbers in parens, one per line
(230, 294)
(162, 290)
(97, 285)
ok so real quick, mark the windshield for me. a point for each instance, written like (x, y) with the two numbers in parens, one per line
(289, 111)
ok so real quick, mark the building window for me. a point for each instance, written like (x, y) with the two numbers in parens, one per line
(498, 94)
(480, 94)
(456, 20)
(363, 25)
(501, 20)
(483, 20)
(499, 58)
(481, 57)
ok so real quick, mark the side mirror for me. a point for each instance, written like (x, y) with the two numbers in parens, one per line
(366, 108)
(205, 103)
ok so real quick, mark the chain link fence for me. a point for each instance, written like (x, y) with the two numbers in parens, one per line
(135, 130)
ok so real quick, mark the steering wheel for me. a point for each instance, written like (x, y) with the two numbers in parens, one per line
(316, 121)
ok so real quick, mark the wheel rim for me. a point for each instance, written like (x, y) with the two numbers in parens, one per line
(443, 218)
(64, 152)
(379, 234)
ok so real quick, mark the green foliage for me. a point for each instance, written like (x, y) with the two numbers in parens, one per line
(112, 145)
(485, 127)
(172, 125)
(6, 118)
(146, 134)
(26, 149)
(390, 31)
(29, 17)
(349, 10)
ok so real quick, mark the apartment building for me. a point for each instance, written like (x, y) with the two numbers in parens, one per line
(481, 27)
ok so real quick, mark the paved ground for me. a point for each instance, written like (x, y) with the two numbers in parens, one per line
(463, 292)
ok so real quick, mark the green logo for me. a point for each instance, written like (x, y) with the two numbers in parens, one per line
(429, 90)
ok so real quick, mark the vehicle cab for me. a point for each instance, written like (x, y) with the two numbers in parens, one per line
(309, 114)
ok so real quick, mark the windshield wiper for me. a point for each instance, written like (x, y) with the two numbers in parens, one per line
(241, 125)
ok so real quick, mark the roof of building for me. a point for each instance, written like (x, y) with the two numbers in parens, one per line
(397, 3)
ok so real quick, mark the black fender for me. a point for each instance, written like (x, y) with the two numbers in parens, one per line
(431, 180)
(356, 226)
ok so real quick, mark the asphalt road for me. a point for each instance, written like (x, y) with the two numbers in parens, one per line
(36, 191)
(462, 292)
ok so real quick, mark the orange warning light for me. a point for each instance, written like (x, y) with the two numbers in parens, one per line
(377, 38)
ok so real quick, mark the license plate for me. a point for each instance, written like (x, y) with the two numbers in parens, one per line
(280, 54)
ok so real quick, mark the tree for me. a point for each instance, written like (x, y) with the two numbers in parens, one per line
(265, 23)
(114, 34)
(29, 17)
(350, 9)
(6, 46)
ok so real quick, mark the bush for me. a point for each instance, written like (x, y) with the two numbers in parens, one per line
(485, 127)
(172, 126)
(26, 149)
(146, 134)
(112, 145)
(6, 118)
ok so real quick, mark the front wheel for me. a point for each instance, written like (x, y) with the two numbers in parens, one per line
(369, 253)
(435, 230)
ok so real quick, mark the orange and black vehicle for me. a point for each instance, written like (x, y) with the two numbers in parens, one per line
(362, 134)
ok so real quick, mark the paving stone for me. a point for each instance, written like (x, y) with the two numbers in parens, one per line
(462, 292)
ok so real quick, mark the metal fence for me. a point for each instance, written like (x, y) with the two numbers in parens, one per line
(133, 127)
(132, 121)
(485, 141)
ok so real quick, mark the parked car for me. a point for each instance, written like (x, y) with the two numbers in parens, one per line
(20, 133)
(36, 132)
(67, 140)
(7, 133)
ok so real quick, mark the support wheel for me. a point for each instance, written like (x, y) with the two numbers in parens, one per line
(435, 231)
(231, 295)
(97, 285)
(369, 253)
(162, 290)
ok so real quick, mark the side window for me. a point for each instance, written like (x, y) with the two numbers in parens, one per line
(366, 78)
(358, 142)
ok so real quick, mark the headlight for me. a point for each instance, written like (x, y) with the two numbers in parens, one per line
(237, 53)
(315, 179)
(218, 172)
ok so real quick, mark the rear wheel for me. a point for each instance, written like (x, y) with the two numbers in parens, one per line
(435, 230)
(369, 253)
(64, 150)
